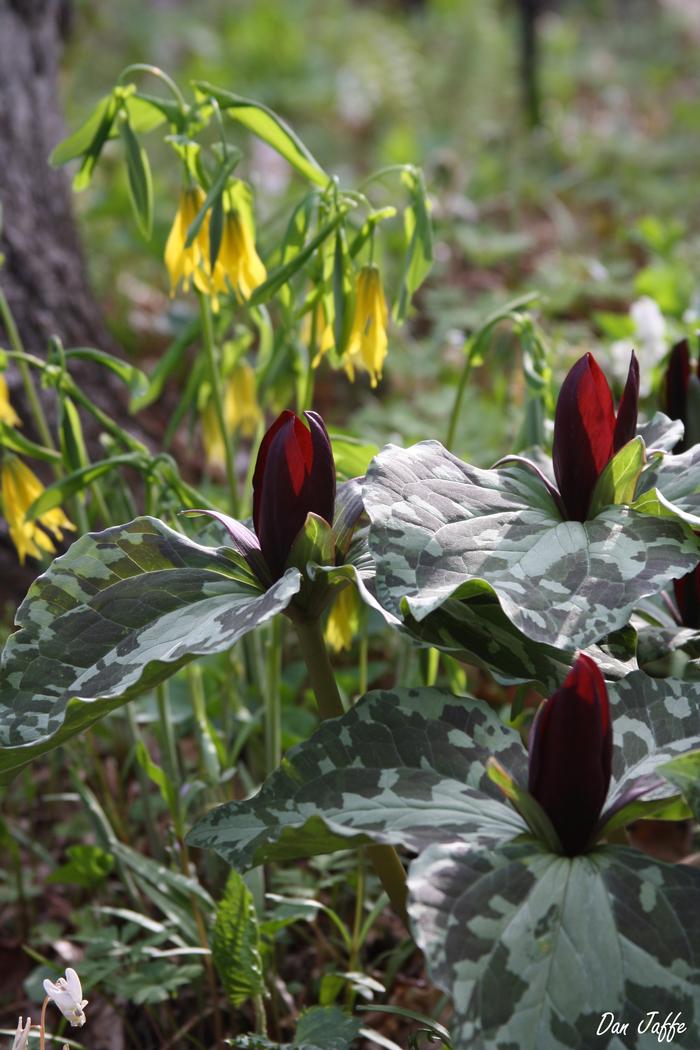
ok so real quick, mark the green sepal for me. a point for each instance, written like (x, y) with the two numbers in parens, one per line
(618, 482)
(528, 807)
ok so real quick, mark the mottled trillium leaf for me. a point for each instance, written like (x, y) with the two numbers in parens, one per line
(478, 632)
(670, 486)
(120, 611)
(534, 948)
(684, 774)
(666, 652)
(406, 767)
(654, 720)
(443, 529)
(660, 432)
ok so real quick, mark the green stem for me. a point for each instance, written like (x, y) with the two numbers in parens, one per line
(170, 760)
(459, 397)
(27, 381)
(151, 833)
(384, 859)
(144, 67)
(273, 707)
(356, 944)
(218, 394)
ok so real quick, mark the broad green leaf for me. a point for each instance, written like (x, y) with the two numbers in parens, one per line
(406, 767)
(352, 456)
(235, 943)
(140, 181)
(535, 948)
(87, 866)
(319, 1028)
(618, 482)
(684, 774)
(119, 612)
(268, 126)
(83, 137)
(134, 378)
(58, 492)
(665, 652)
(444, 529)
(661, 433)
(12, 439)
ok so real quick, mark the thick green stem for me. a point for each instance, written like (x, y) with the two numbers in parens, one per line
(29, 388)
(459, 397)
(273, 707)
(218, 395)
(384, 859)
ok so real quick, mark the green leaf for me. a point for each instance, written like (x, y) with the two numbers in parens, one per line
(684, 773)
(534, 949)
(218, 186)
(352, 455)
(134, 378)
(670, 486)
(444, 529)
(140, 181)
(86, 135)
(618, 482)
(287, 270)
(73, 447)
(528, 807)
(120, 611)
(268, 126)
(58, 492)
(87, 866)
(235, 943)
(157, 775)
(419, 238)
(12, 439)
(328, 1028)
(402, 767)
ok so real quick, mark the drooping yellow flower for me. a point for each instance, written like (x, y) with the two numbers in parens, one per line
(368, 343)
(344, 620)
(19, 487)
(324, 335)
(242, 412)
(7, 412)
(188, 264)
(238, 266)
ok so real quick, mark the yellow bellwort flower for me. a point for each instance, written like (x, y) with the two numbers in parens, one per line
(7, 412)
(188, 264)
(343, 621)
(238, 266)
(368, 342)
(325, 337)
(242, 412)
(19, 487)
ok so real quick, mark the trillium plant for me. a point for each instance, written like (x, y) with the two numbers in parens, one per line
(568, 570)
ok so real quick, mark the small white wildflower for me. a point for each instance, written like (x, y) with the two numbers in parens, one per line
(650, 326)
(22, 1035)
(67, 995)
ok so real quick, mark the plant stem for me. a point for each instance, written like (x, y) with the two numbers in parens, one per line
(218, 395)
(42, 1024)
(273, 707)
(27, 381)
(170, 761)
(384, 859)
(459, 397)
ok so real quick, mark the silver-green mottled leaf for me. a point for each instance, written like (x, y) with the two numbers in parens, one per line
(654, 720)
(479, 632)
(669, 651)
(675, 482)
(121, 610)
(441, 529)
(534, 948)
(406, 767)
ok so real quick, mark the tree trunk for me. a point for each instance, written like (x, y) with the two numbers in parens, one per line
(43, 275)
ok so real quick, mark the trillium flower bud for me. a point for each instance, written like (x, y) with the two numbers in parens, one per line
(294, 476)
(587, 433)
(571, 755)
(676, 402)
(687, 592)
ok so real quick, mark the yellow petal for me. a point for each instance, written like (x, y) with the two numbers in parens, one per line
(7, 412)
(368, 342)
(344, 620)
(241, 409)
(214, 450)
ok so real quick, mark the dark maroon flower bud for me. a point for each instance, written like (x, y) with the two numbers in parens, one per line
(571, 755)
(587, 434)
(294, 475)
(675, 399)
(687, 591)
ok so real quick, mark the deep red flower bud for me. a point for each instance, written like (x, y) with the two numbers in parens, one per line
(687, 591)
(294, 475)
(571, 755)
(587, 434)
(675, 401)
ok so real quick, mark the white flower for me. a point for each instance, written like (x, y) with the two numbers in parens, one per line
(67, 995)
(650, 327)
(22, 1035)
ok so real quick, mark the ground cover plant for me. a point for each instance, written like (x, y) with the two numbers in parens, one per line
(356, 698)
